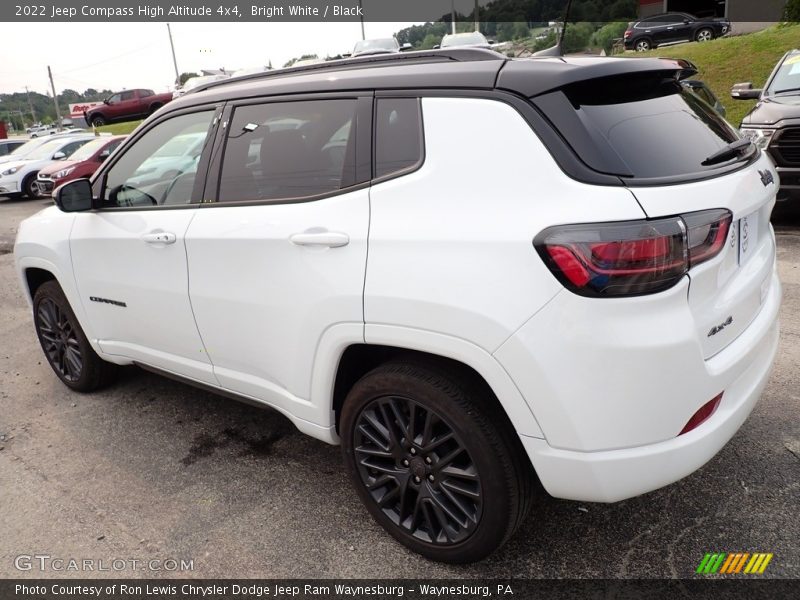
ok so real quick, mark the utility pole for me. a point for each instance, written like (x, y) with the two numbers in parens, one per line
(361, 13)
(477, 17)
(174, 62)
(452, 16)
(30, 104)
(55, 98)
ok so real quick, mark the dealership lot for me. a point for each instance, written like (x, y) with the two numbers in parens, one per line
(153, 469)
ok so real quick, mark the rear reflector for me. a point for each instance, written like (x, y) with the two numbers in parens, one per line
(632, 258)
(702, 414)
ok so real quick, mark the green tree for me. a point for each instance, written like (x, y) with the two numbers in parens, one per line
(429, 41)
(520, 31)
(577, 37)
(184, 77)
(792, 11)
(605, 36)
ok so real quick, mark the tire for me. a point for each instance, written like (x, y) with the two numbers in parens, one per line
(154, 108)
(98, 120)
(642, 45)
(705, 34)
(29, 187)
(454, 499)
(65, 345)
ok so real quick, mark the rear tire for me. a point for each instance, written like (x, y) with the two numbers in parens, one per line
(154, 108)
(65, 345)
(434, 461)
(642, 45)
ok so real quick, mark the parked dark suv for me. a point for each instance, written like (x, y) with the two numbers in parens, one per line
(673, 27)
(774, 123)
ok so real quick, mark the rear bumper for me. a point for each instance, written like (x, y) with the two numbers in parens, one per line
(613, 475)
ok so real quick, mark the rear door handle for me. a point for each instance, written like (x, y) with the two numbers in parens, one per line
(159, 237)
(331, 239)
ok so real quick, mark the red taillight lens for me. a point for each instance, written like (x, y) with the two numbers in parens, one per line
(702, 414)
(628, 34)
(634, 257)
(706, 232)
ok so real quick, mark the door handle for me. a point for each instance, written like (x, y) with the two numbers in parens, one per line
(331, 239)
(160, 237)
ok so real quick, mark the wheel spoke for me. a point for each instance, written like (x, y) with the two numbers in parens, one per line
(430, 488)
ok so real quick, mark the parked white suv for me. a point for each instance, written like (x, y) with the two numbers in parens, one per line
(595, 306)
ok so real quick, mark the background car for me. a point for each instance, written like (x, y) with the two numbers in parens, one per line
(19, 177)
(126, 106)
(43, 130)
(376, 46)
(8, 146)
(194, 82)
(472, 39)
(774, 123)
(83, 163)
(26, 148)
(702, 91)
(671, 28)
(179, 155)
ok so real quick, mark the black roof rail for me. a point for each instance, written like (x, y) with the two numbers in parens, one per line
(370, 60)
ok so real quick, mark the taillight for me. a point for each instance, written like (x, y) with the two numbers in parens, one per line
(706, 233)
(628, 34)
(632, 258)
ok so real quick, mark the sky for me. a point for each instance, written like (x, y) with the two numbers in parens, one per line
(116, 56)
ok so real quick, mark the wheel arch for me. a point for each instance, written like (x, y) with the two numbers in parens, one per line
(383, 343)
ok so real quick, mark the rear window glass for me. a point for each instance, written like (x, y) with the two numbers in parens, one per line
(398, 135)
(640, 127)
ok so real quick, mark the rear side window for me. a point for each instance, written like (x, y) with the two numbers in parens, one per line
(398, 135)
(289, 150)
(640, 127)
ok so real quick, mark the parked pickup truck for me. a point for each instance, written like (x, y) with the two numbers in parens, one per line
(126, 106)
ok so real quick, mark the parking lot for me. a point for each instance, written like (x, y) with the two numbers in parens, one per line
(153, 469)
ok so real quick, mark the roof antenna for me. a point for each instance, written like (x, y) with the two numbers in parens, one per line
(558, 49)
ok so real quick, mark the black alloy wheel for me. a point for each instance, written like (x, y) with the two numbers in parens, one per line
(434, 459)
(59, 340)
(64, 343)
(417, 470)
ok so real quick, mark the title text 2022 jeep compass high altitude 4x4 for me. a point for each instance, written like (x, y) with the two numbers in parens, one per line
(593, 304)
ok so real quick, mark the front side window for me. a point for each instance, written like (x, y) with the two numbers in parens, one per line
(398, 135)
(127, 96)
(287, 150)
(160, 167)
(114, 98)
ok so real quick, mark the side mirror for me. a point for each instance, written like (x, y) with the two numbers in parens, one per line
(686, 21)
(436, 47)
(74, 196)
(103, 155)
(492, 42)
(745, 91)
(405, 47)
(59, 155)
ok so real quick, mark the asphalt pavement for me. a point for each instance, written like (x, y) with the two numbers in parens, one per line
(151, 469)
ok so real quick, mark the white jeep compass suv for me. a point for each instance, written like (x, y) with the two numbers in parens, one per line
(593, 303)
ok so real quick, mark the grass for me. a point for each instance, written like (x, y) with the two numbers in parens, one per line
(119, 128)
(736, 59)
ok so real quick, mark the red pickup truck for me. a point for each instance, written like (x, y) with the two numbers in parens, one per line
(126, 106)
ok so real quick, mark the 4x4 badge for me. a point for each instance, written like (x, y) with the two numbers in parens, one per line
(766, 177)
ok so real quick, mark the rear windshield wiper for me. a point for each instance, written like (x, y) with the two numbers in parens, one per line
(728, 152)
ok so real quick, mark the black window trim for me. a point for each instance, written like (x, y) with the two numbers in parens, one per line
(100, 177)
(364, 112)
(421, 123)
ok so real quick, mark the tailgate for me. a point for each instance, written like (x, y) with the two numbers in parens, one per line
(726, 293)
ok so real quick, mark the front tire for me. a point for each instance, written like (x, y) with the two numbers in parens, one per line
(98, 120)
(434, 462)
(29, 187)
(704, 35)
(64, 344)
